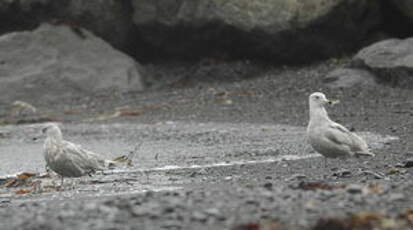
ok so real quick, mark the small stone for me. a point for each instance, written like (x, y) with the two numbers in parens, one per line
(409, 163)
(297, 177)
(311, 205)
(149, 194)
(173, 179)
(396, 197)
(252, 202)
(168, 210)
(199, 216)
(345, 173)
(357, 198)
(399, 165)
(4, 200)
(374, 174)
(213, 212)
(203, 171)
(268, 186)
(354, 189)
(326, 194)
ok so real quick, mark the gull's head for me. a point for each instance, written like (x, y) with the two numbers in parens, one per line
(318, 99)
(52, 130)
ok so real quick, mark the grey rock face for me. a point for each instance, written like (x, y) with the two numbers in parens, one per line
(391, 60)
(277, 29)
(60, 61)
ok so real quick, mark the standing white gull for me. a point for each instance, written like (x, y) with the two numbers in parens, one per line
(329, 138)
(68, 159)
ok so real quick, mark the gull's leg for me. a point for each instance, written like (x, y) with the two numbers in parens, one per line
(289, 170)
(147, 176)
(287, 164)
(313, 162)
(61, 183)
(73, 184)
(347, 161)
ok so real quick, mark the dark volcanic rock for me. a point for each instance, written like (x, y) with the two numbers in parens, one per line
(405, 6)
(281, 30)
(391, 60)
(109, 19)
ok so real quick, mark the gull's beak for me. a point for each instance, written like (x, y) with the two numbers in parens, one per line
(39, 136)
(332, 102)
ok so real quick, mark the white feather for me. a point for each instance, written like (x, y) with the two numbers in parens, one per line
(329, 138)
(68, 159)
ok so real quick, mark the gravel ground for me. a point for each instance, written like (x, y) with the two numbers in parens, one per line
(242, 97)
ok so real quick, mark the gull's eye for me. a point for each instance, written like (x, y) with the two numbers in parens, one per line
(317, 97)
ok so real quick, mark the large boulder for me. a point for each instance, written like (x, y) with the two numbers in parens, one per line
(109, 19)
(391, 60)
(343, 78)
(61, 61)
(280, 30)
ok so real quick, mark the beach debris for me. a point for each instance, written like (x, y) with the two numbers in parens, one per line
(21, 179)
(318, 186)
(127, 111)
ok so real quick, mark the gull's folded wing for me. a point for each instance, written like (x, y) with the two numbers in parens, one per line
(338, 134)
(86, 160)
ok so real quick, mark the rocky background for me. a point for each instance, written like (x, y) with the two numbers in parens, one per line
(247, 63)
(45, 42)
